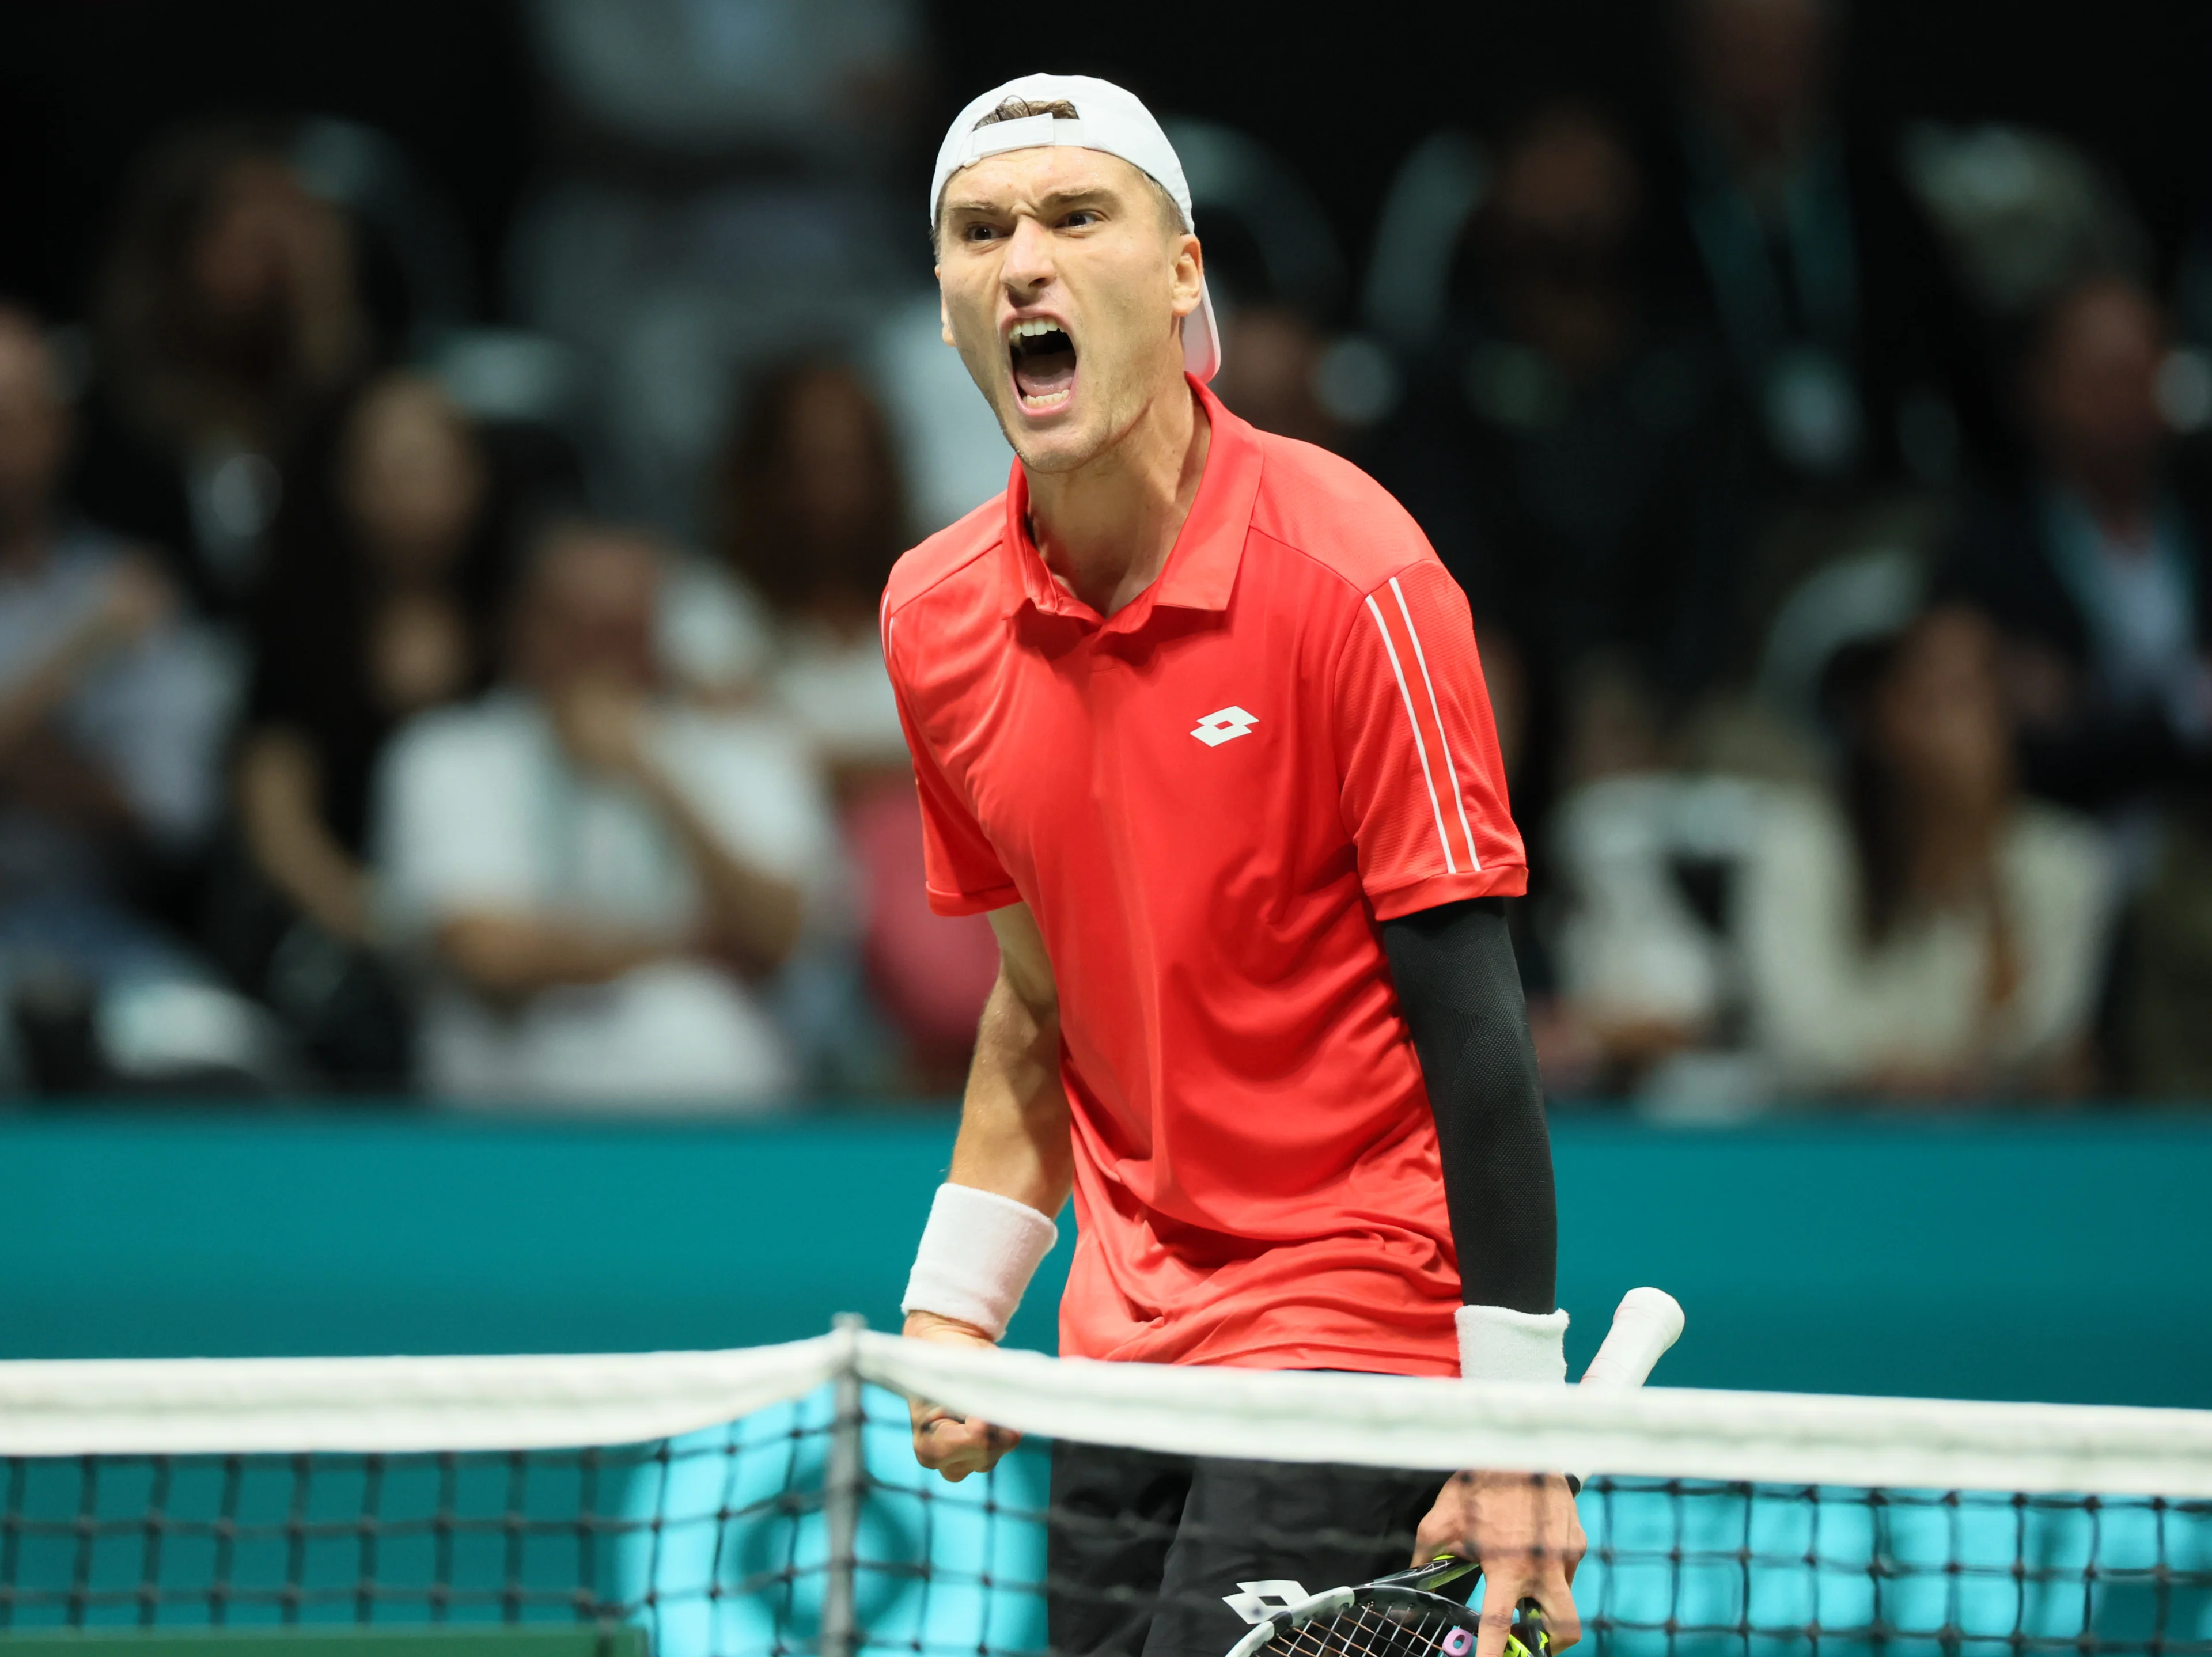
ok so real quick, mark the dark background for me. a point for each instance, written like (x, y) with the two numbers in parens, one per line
(84, 85)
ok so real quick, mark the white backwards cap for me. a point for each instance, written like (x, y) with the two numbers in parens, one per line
(1107, 119)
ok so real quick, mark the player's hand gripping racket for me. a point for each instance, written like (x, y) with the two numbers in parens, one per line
(1403, 1615)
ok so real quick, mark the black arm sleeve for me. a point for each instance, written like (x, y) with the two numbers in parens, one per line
(1461, 996)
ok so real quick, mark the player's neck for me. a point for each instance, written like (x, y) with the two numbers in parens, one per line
(1105, 530)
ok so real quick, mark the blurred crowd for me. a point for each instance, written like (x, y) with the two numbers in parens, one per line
(396, 701)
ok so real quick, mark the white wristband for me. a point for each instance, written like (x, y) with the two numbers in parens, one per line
(1498, 1343)
(978, 1252)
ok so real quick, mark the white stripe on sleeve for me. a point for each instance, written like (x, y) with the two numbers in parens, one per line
(1412, 719)
(1420, 658)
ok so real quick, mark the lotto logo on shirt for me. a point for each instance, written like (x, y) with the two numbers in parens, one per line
(1226, 725)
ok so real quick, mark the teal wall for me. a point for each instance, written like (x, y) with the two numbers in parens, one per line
(2066, 1259)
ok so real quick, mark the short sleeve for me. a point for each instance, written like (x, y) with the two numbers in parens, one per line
(960, 871)
(1423, 787)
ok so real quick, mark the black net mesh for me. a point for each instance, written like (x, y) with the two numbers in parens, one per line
(719, 1543)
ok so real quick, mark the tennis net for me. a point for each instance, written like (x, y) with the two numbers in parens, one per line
(766, 1502)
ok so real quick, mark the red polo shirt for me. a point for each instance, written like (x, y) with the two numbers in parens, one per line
(1209, 800)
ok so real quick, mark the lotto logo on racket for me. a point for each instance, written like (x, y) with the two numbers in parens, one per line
(1255, 1602)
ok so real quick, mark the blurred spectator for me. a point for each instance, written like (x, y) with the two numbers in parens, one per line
(228, 316)
(2164, 1002)
(1926, 932)
(731, 184)
(1570, 449)
(811, 514)
(1822, 274)
(1918, 930)
(113, 709)
(1270, 365)
(2020, 214)
(378, 605)
(602, 878)
(2095, 571)
(1278, 278)
(724, 77)
(1648, 865)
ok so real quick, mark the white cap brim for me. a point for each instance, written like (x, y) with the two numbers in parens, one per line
(1201, 339)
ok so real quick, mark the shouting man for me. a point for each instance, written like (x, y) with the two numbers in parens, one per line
(1197, 719)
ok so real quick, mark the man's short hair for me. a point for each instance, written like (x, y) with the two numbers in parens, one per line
(1021, 109)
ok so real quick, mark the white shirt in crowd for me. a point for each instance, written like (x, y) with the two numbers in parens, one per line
(1829, 1011)
(152, 716)
(715, 636)
(479, 809)
(1825, 1011)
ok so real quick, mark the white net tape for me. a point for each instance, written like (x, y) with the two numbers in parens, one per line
(427, 1403)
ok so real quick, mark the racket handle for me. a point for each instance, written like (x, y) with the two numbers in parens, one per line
(1645, 1325)
(1444, 1568)
(1530, 1637)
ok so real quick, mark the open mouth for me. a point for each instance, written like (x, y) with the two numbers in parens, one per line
(1043, 361)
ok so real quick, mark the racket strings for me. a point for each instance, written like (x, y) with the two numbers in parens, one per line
(1362, 1631)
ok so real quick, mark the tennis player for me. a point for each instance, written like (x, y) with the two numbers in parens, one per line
(1197, 720)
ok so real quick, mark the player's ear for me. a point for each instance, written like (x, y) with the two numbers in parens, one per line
(943, 315)
(1189, 277)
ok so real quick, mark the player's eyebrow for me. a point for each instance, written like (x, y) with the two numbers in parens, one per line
(1060, 200)
(1092, 194)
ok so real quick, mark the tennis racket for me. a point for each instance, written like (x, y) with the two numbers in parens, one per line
(1403, 1615)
